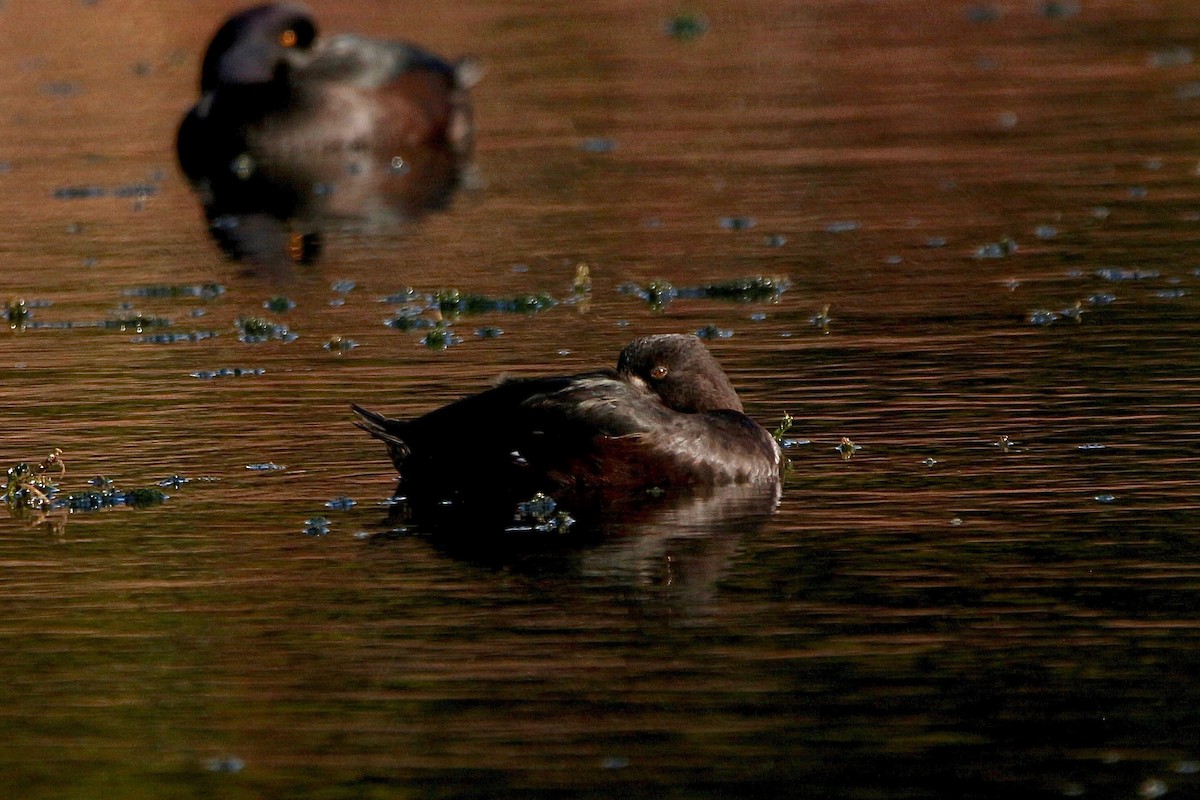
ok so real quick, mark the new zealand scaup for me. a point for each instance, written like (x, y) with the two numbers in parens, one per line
(666, 417)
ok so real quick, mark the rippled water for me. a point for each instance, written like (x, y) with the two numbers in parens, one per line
(991, 206)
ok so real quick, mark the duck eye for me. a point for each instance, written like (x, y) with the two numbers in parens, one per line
(658, 373)
(288, 38)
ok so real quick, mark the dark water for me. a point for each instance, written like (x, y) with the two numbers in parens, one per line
(939, 615)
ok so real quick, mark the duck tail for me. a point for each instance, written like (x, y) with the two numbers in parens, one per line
(384, 429)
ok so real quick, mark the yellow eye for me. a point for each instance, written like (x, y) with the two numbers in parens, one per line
(288, 38)
(658, 373)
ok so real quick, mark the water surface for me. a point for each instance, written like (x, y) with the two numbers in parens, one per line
(990, 205)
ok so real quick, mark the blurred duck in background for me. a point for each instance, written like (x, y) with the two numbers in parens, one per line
(295, 133)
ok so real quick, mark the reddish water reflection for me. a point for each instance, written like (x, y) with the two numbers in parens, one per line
(937, 611)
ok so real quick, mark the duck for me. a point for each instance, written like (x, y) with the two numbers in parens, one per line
(272, 88)
(294, 125)
(666, 418)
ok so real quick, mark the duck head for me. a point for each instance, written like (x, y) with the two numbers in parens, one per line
(259, 47)
(681, 372)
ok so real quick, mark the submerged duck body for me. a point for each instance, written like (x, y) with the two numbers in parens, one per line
(272, 89)
(666, 417)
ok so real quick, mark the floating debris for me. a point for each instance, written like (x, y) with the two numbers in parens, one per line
(936, 241)
(784, 426)
(1006, 445)
(1059, 9)
(598, 145)
(1105, 498)
(1087, 447)
(453, 303)
(929, 462)
(1170, 294)
(842, 226)
(489, 333)
(207, 291)
(789, 443)
(18, 315)
(984, 12)
(339, 344)
(1074, 312)
(279, 304)
(686, 26)
(440, 338)
(775, 240)
(1042, 316)
(1001, 249)
(1118, 274)
(78, 192)
(660, 293)
(343, 286)
(174, 338)
(582, 285)
(137, 322)
(341, 504)
(139, 191)
(410, 320)
(821, 319)
(266, 466)
(847, 448)
(1101, 299)
(111, 498)
(227, 372)
(713, 332)
(737, 223)
(1174, 56)
(540, 514)
(255, 330)
(174, 482)
(409, 295)
(317, 526)
(225, 764)
(31, 490)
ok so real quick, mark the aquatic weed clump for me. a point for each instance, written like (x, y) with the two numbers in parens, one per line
(255, 330)
(658, 294)
(136, 323)
(440, 337)
(17, 313)
(111, 498)
(31, 489)
(207, 291)
(540, 514)
(452, 303)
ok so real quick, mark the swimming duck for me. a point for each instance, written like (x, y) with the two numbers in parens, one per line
(271, 88)
(298, 126)
(666, 417)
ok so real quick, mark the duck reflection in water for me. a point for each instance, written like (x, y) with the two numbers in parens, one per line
(666, 420)
(295, 133)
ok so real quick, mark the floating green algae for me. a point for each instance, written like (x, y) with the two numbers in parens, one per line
(207, 291)
(659, 293)
(33, 490)
(255, 330)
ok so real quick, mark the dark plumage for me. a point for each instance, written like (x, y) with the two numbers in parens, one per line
(272, 89)
(295, 134)
(666, 417)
